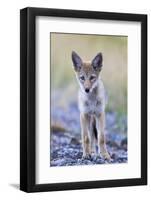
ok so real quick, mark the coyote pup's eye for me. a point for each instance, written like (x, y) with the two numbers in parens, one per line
(82, 78)
(92, 78)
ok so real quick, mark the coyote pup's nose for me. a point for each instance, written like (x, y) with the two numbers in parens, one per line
(87, 90)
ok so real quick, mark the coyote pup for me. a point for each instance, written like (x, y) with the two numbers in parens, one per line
(91, 104)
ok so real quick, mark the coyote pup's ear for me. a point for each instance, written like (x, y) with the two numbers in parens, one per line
(77, 62)
(97, 62)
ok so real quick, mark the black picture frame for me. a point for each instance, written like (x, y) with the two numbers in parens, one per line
(28, 99)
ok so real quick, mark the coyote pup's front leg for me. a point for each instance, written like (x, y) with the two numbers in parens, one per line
(86, 140)
(100, 120)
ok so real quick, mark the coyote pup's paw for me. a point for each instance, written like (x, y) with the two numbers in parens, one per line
(86, 156)
(106, 156)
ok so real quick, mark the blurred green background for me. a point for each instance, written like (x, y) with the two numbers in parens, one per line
(64, 87)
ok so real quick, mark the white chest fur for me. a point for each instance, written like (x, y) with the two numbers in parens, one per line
(94, 102)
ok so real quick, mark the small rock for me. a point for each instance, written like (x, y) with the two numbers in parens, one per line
(74, 141)
(124, 143)
(59, 162)
(114, 156)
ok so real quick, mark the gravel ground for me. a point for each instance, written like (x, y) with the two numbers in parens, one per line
(66, 149)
